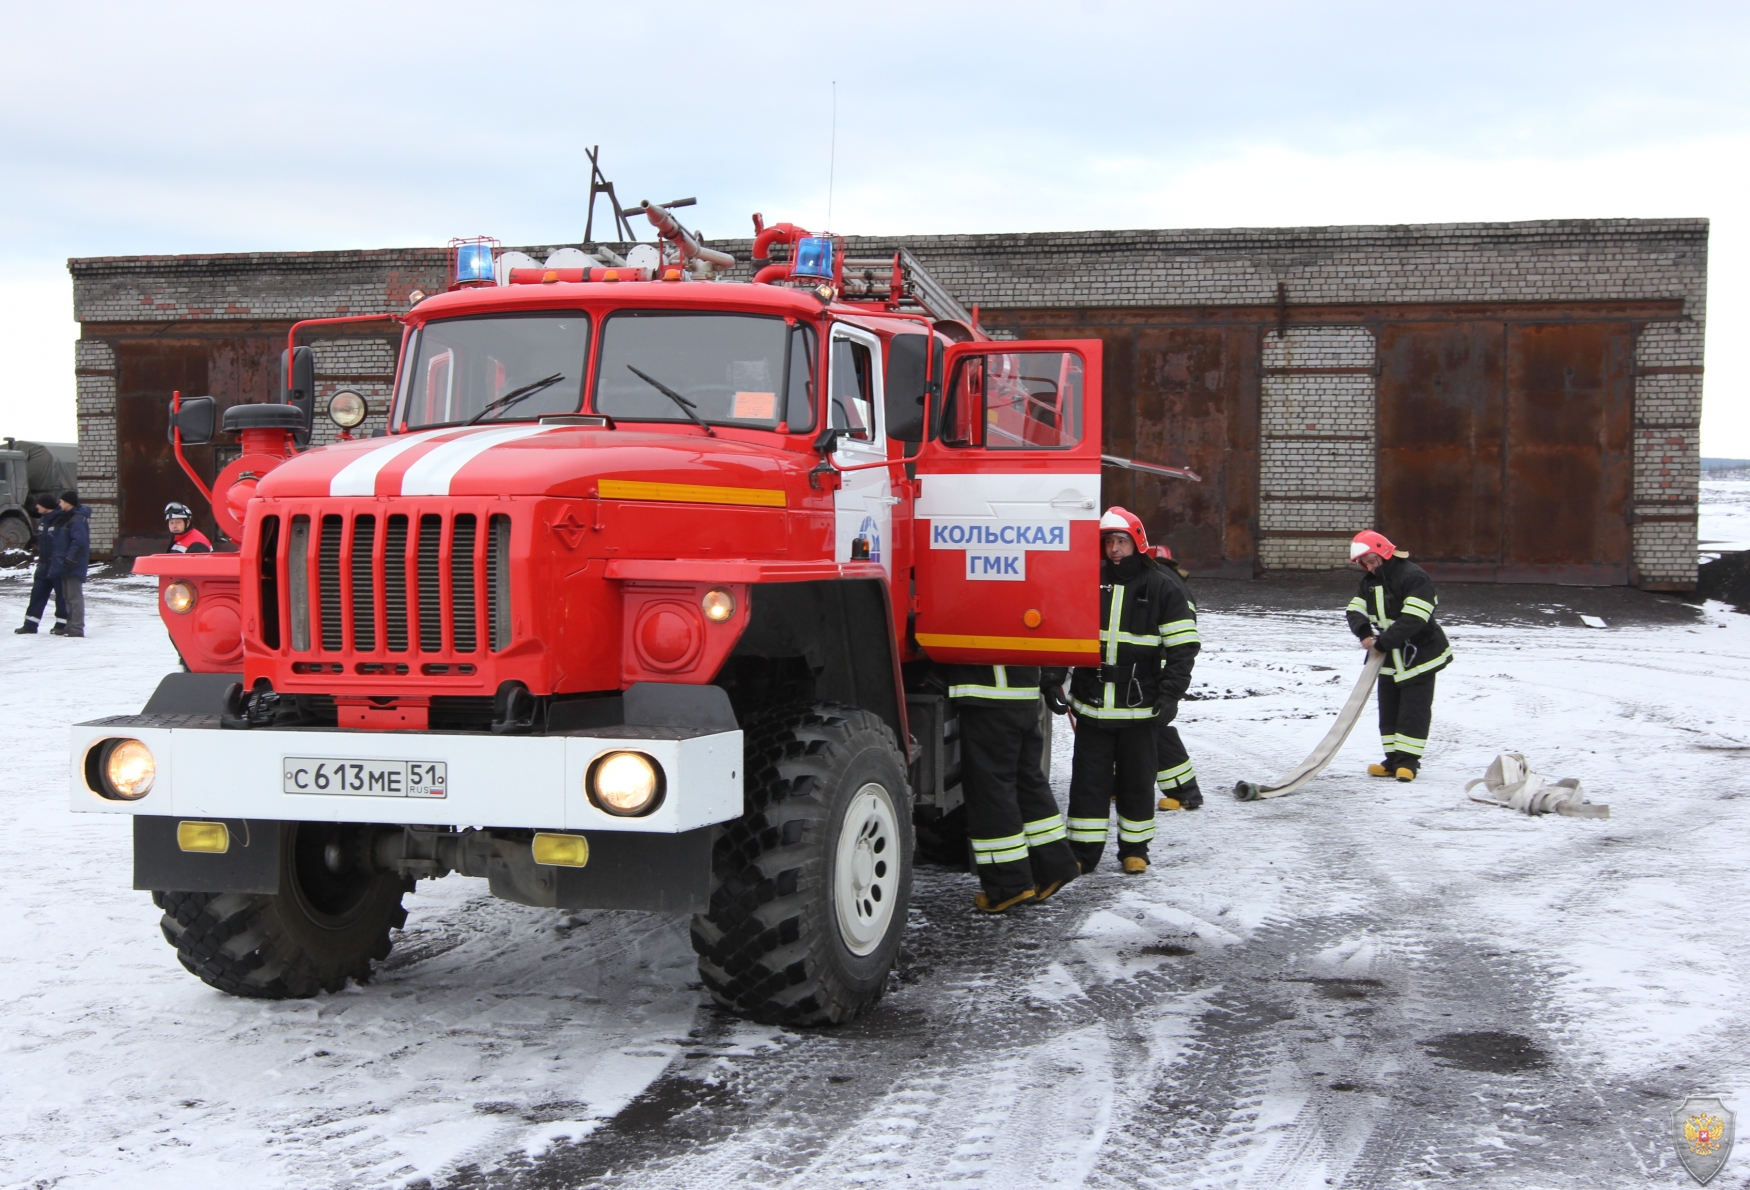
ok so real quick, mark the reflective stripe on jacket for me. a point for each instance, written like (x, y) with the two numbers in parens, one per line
(1395, 605)
(1003, 685)
(1148, 643)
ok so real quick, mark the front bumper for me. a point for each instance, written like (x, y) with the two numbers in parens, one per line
(536, 782)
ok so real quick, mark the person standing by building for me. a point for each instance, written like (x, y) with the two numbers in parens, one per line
(72, 559)
(184, 537)
(1148, 644)
(1393, 613)
(49, 520)
(1017, 835)
(1175, 776)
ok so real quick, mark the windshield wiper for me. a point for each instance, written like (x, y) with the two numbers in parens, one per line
(687, 407)
(517, 394)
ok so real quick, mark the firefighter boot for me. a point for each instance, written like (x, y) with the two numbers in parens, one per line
(1185, 797)
(1385, 768)
(1408, 767)
(986, 902)
(1087, 855)
(1054, 865)
(1135, 865)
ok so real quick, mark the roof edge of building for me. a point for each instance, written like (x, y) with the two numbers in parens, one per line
(1695, 227)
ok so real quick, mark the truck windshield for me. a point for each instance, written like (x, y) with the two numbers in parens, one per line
(460, 366)
(729, 368)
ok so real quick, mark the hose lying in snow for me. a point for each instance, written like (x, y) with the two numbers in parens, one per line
(1513, 785)
(1312, 766)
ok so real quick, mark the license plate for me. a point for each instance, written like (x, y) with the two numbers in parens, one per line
(365, 778)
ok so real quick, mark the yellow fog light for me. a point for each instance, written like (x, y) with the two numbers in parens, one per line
(718, 605)
(125, 770)
(561, 851)
(179, 596)
(626, 784)
(211, 837)
(347, 409)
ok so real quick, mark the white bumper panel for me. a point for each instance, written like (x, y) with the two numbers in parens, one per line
(510, 781)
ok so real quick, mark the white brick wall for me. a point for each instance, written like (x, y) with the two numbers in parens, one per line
(1318, 452)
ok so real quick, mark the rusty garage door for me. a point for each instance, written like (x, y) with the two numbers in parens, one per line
(1504, 448)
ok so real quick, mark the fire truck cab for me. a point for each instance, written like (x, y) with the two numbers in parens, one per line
(636, 605)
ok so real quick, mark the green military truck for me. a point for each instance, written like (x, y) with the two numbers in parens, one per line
(27, 468)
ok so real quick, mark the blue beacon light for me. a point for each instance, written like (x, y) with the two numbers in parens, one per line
(813, 258)
(473, 263)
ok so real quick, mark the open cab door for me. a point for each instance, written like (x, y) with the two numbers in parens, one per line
(1008, 519)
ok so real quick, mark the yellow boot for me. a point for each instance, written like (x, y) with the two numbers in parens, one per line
(1135, 865)
(984, 904)
(1405, 774)
(1378, 770)
(1171, 803)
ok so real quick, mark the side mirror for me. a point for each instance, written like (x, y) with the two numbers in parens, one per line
(302, 393)
(907, 356)
(197, 419)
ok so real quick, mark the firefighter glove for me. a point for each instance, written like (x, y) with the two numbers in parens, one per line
(1055, 700)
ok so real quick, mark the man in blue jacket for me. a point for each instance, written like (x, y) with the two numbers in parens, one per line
(72, 558)
(50, 518)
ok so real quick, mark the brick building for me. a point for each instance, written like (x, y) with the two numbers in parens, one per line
(1510, 401)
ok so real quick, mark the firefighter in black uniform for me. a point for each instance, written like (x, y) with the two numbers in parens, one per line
(1148, 643)
(1175, 776)
(1017, 834)
(1394, 614)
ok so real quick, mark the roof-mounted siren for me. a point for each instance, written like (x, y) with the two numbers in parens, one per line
(471, 262)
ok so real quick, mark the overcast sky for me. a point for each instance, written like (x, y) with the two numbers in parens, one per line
(211, 128)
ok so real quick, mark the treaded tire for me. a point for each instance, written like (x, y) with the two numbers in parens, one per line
(772, 948)
(316, 933)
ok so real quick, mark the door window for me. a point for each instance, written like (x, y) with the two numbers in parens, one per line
(1014, 401)
(853, 390)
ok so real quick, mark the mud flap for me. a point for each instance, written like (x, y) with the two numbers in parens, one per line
(251, 865)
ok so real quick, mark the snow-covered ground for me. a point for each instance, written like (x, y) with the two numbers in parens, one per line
(1365, 984)
(1725, 512)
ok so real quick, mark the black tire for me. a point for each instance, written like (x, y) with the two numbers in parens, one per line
(772, 948)
(14, 533)
(320, 930)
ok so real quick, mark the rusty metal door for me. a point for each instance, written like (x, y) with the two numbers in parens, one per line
(1441, 417)
(147, 476)
(1191, 409)
(1568, 465)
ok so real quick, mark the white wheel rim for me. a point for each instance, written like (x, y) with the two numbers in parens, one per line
(866, 869)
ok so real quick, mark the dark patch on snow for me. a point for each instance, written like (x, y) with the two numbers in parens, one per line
(1170, 949)
(1488, 1052)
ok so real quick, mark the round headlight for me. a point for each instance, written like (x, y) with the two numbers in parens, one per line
(626, 784)
(347, 409)
(718, 605)
(127, 768)
(179, 596)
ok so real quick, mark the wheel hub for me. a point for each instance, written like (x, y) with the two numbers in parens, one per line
(866, 874)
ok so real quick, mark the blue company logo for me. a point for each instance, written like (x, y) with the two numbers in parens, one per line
(871, 533)
(962, 535)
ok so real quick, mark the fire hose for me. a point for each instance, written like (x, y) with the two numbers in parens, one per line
(1313, 765)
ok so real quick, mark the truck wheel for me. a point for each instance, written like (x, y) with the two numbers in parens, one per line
(14, 533)
(811, 883)
(330, 918)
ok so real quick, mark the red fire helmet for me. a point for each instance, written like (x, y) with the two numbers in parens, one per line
(1369, 542)
(1160, 553)
(1122, 520)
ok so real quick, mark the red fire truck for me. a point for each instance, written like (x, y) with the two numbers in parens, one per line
(635, 605)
